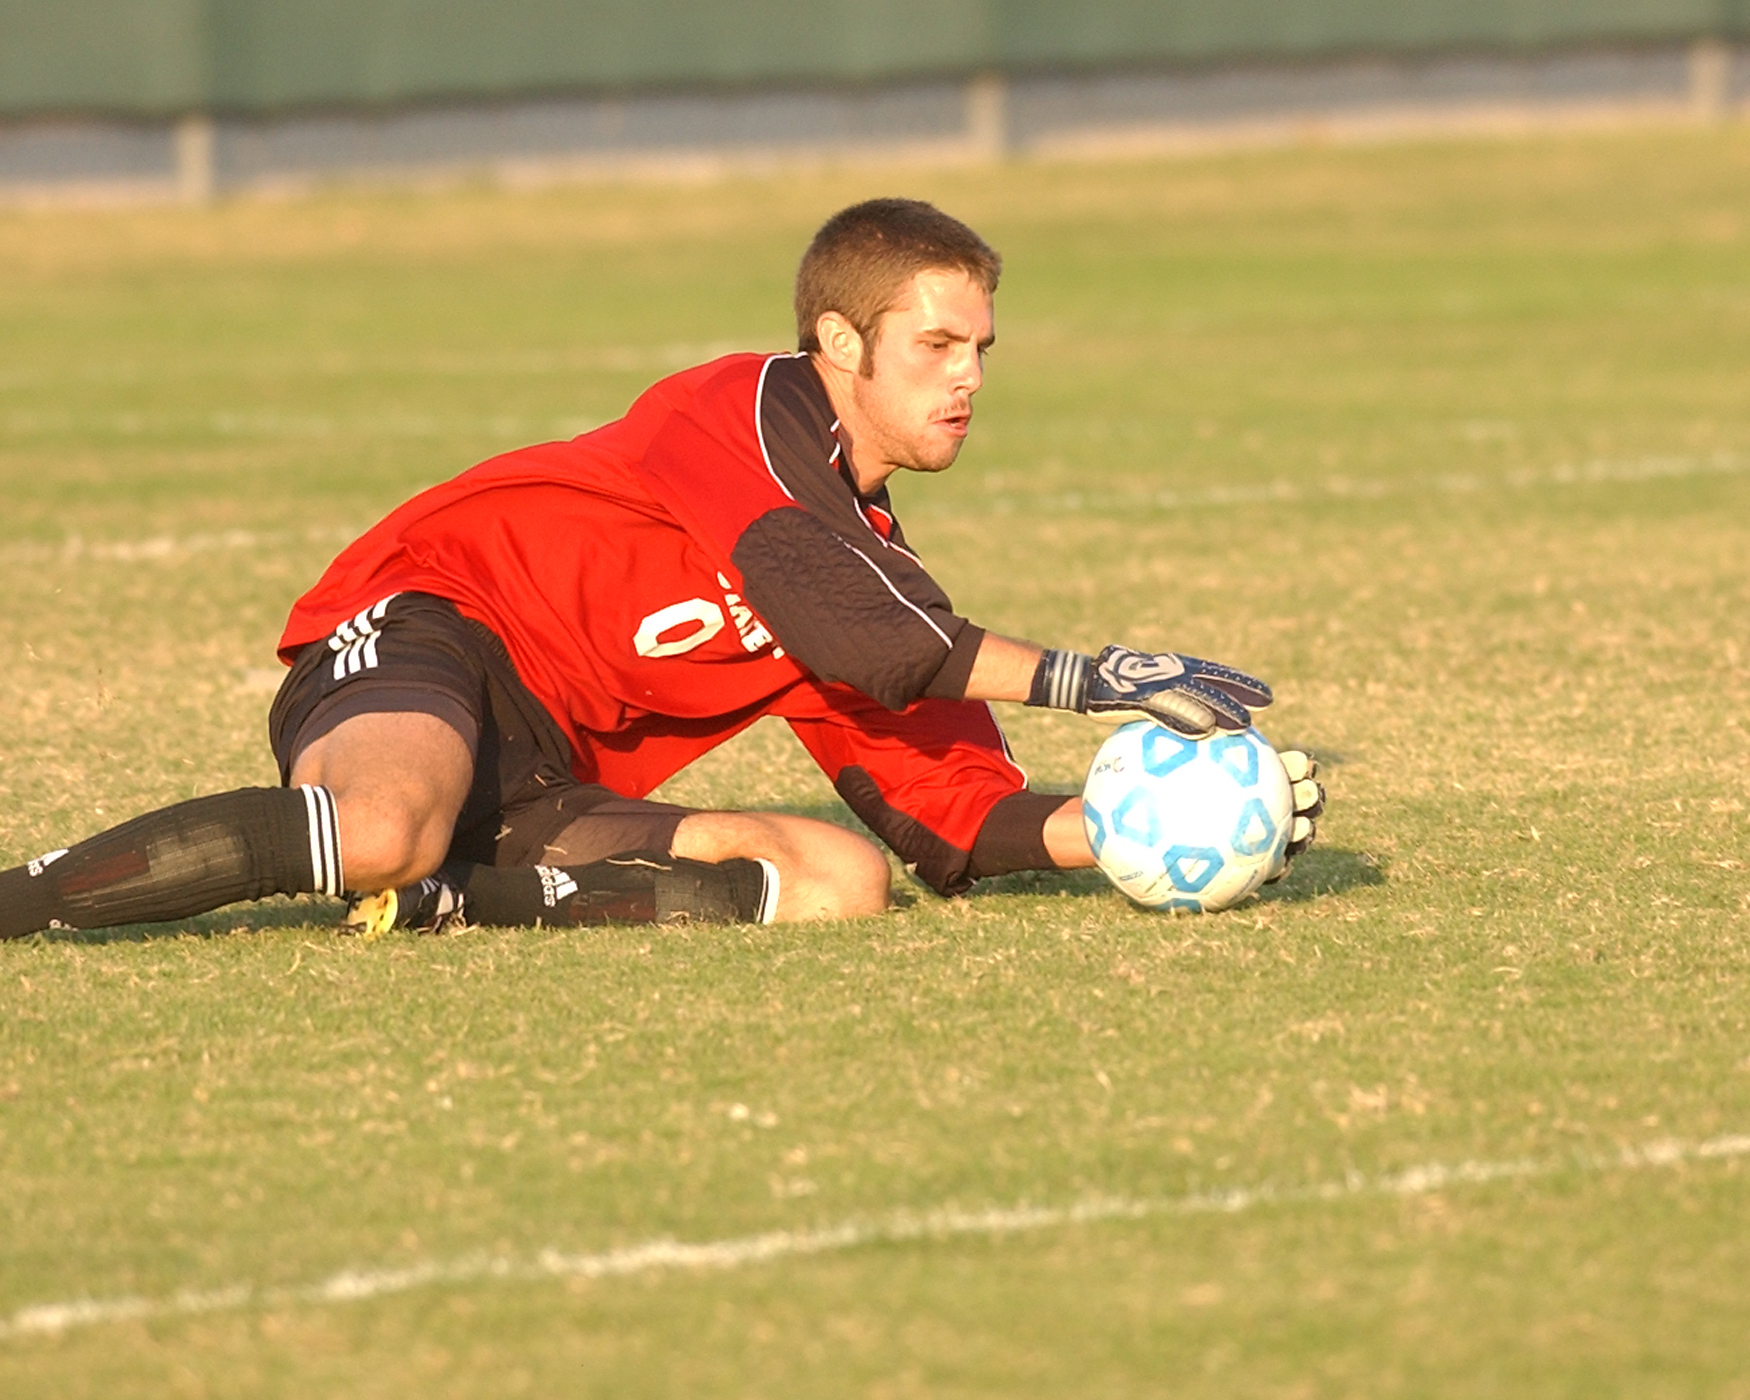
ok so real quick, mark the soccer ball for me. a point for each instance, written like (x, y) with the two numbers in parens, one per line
(1192, 824)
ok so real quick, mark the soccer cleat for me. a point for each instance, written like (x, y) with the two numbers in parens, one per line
(434, 905)
(370, 916)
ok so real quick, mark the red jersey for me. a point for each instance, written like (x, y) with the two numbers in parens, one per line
(663, 581)
(690, 561)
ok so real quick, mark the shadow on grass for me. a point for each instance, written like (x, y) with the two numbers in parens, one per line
(1079, 884)
(313, 911)
(1316, 874)
(1322, 872)
(279, 913)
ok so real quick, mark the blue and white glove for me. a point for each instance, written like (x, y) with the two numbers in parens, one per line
(1188, 696)
(1309, 804)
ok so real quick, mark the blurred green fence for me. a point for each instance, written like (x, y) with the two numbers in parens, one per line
(156, 57)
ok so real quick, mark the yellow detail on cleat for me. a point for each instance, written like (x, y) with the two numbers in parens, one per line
(370, 915)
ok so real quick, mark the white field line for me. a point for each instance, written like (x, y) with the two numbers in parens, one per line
(1341, 488)
(24, 424)
(349, 364)
(899, 1227)
(76, 549)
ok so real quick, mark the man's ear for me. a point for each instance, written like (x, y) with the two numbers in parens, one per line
(840, 345)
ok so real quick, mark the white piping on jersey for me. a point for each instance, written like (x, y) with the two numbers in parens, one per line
(759, 428)
(759, 419)
(897, 548)
(902, 598)
(838, 451)
(1008, 754)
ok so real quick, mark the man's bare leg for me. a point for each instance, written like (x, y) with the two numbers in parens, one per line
(399, 781)
(824, 871)
(373, 803)
(719, 867)
(1066, 837)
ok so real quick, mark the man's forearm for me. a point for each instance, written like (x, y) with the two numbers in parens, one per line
(1003, 669)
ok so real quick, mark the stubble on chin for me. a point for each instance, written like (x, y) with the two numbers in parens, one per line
(948, 454)
(928, 458)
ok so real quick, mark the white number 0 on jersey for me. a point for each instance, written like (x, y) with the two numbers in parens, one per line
(706, 617)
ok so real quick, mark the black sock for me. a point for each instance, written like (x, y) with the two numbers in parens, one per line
(179, 861)
(637, 887)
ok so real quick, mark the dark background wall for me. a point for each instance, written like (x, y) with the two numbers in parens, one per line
(150, 58)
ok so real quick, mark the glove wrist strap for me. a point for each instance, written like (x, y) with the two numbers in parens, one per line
(1060, 682)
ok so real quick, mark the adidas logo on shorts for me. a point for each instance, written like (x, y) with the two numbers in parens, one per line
(354, 642)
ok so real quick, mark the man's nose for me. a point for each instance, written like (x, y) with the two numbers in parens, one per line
(969, 371)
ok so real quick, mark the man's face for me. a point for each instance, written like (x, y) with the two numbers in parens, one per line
(915, 408)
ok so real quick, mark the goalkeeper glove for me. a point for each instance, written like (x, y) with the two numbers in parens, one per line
(1309, 803)
(1188, 696)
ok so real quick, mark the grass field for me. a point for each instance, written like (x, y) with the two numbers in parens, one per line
(1451, 442)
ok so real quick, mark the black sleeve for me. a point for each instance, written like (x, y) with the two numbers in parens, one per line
(847, 603)
(1011, 838)
(1013, 835)
(951, 681)
(839, 613)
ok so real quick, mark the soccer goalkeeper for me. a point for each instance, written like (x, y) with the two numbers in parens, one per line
(484, 687)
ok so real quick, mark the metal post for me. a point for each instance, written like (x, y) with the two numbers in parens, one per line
(987, 115)
(194, 158)
(1710, 79)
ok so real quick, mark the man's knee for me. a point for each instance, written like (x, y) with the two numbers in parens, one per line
(386, 844)
(399, 781)
(835, 874)
(863, 878)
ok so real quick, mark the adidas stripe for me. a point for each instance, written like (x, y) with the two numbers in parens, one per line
(325, 872)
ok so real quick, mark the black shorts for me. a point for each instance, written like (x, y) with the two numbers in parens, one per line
(413, 652)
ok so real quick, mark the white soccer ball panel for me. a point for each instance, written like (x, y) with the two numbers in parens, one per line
(1192, 824)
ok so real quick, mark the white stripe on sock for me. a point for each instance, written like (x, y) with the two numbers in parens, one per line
(325, 872)
(768, 910)
(315, 829)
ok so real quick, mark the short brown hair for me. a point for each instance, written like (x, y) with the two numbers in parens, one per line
(863, 258)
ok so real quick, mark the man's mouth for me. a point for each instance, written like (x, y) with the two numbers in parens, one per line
(956, 423)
